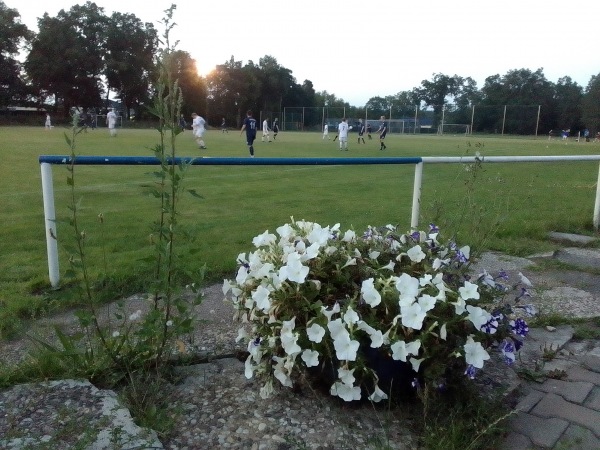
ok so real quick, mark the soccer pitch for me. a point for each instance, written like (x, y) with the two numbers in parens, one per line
(519, 202)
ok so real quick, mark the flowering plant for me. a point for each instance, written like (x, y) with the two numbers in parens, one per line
(318, 297)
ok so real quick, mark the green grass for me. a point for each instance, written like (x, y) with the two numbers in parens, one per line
(520, 202)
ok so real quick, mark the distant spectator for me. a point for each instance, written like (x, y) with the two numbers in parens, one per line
(48, 123)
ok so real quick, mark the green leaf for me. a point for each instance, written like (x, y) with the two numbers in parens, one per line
(195, 193)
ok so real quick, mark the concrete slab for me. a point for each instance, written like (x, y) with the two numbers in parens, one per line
(580, 257)
(570, 238)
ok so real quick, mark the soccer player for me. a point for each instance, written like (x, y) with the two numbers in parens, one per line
(224, 126)
(325, 131)
(275, 128)
(343, 134)
(265, 130)
(369, 131)
(111, 121)
(361, 131)
(48, 123)
(250, 127)
(198, 125)
(382, 132)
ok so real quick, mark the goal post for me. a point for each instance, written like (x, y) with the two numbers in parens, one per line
(454, 129)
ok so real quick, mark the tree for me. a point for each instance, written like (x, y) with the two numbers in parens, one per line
(525, 92)
(130, 48)
(436, 93)
(66, 57)
(193, 87)
(568, 104)
(591, 104)
(12, 35)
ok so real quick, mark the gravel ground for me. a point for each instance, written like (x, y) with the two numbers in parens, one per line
(214, 406)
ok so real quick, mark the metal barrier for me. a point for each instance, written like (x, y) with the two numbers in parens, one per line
(46, 162)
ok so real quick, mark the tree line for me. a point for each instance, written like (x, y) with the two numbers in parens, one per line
(84, 58)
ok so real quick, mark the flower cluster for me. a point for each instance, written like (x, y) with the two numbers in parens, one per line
(318, 297)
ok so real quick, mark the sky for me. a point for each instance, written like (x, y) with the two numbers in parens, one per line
(359, 49)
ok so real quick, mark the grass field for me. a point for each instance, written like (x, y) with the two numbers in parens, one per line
(519, 202)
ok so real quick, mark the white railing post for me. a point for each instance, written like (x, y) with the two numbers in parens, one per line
(50, 222)
(596, 219)
(416, 202)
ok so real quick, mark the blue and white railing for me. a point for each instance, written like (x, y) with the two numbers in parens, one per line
(46, 163)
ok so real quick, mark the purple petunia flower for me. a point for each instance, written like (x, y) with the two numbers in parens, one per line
(433, 228)
(491, 326)
(503, 275)
(508, 350)
(470, 372)
(519, 327)
(416, 236)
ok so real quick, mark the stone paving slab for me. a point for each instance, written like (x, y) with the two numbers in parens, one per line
(554, 406)
(542, 431)
(578, 373)
(571, 391)
(516, 441)
(593, 401)
(578, 438)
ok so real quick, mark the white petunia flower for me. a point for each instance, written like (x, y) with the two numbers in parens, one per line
(349, 262)
(294, 270)
(389, 266)
(261, 297)
(416, 254)
(349, 236)
(427, 302)
(413, 316)
(242, 334)
(345, 392)
(416, 363)
(328, 313)
(443, 332)
(337, 329)
(345, 348)
(346, 376)
(525, 280)
(350, 316)
(369, 294)
(289, 342)
(478, 316)
(407, 286)
(310, 358)
(469, 291)
(401, 350)
(315, 333)
(475, 354)
(377, 395)
(264, 239)
(267, 390)
(374, 254)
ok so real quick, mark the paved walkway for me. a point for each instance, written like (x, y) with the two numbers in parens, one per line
(560, 410)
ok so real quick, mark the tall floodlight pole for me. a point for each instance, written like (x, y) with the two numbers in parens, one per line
(390, 118)
(503, 120)
(472, 117)
(537, 122)
(416, 113)
(443, 116)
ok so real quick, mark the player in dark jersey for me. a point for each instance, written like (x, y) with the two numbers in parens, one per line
(250, 127)
(275, 128)
(369, 131)
(361, 131)
(382, 132)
